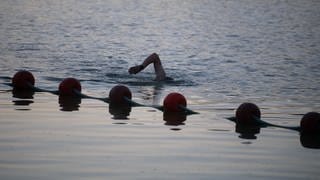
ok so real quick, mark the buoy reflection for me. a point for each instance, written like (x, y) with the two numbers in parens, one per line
(24, 96)
(120, 112)
(69, 103)
(311, 141)
(247, 131)
(174, 119)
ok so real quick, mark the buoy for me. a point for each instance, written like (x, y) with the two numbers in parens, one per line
(67, 86)
(172, 102)
(23, 79)
(246, 112)
(117, 94)
(310, 123)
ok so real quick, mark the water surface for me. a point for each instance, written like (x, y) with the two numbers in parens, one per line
(220, 53)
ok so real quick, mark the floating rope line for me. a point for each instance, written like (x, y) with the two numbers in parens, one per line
(295, 128)
(79, 94)
(248, 114)
(181, 108)
(262, 123)
(132, 103)
(36, 89)
(118, 95)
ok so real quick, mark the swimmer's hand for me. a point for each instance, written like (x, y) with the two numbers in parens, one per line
(135, 69)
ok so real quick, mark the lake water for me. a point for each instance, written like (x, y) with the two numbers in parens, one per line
(220, 54)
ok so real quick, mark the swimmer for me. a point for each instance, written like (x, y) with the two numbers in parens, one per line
(153, 58)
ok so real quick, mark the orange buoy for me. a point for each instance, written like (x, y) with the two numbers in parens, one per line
(67, 86)
(22, 80)
(117, 94)
(172, 102)
(310, 123)
(246, 112)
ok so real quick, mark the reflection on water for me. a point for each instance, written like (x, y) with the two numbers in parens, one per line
(311, 141)
(24, 98)
(174, 119)
(152, 92)
(22, 103)
(218, 52)
(119, 112)
(247, 131)
(22, 94)
(69, 103)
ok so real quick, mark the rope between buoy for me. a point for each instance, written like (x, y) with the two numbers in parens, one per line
(78, 93)
(262, 123)
(36, 89)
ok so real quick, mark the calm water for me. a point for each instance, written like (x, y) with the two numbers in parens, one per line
(220, 53)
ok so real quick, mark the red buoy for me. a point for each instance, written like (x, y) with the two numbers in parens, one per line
(310, 123)
(22, 80)
(117, 94)
(67, 86)
(246, 112)
(172, 102)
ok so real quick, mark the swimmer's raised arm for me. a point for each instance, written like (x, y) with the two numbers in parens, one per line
(153, 58)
